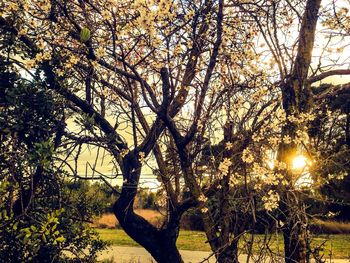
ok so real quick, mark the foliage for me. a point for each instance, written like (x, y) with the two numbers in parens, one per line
(40, 221)
(330, 136)
(46, 233)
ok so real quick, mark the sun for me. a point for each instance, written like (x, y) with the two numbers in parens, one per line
(299, 162)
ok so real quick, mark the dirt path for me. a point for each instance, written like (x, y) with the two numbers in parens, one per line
(140, 255)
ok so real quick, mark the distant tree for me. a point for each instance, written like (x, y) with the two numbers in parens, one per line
(146, 199)
(330, 136)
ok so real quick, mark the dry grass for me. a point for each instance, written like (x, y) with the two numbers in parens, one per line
(106, 221)
(330, 227)
(109, 220)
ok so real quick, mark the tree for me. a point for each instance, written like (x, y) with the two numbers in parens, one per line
(113, 67)
(40, 221)
(294, 66)
(163, 71)
(297, 102)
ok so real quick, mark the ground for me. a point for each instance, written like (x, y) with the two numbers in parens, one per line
(120, 254)
(336, 246)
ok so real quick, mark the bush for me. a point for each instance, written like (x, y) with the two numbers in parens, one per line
(191, 220)
(40, 220)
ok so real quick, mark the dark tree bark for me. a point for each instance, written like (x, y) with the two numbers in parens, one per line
(296, 99)
(161, 243)
(230, 253)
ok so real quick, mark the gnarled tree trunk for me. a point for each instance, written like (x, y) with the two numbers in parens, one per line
(160, 243)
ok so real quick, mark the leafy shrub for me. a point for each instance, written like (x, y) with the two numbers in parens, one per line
(40, 221)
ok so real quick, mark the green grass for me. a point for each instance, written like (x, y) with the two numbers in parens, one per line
(116, 237)
(194, 240)
(339, 245)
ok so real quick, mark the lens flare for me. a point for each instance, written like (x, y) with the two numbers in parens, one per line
(299, 162)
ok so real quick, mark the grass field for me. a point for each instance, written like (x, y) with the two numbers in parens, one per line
(339, 245)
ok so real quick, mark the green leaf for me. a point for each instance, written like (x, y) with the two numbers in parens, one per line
(84, 35)
(26, 230)
(60, 239)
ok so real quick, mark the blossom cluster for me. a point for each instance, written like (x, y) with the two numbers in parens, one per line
(224, 166)
(271, 200)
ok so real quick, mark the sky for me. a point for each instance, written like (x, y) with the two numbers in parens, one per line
(104, 164)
